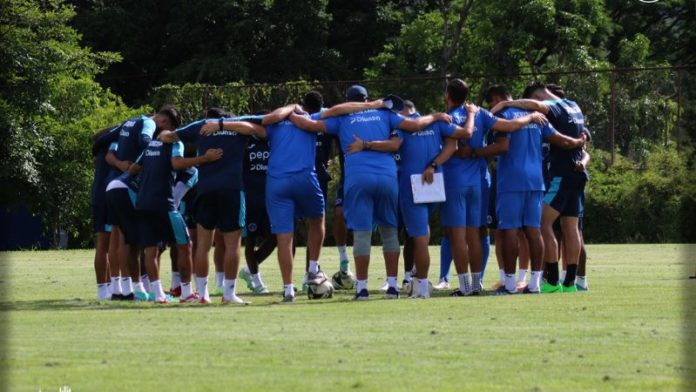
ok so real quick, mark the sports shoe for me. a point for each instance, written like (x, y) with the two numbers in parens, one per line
(547, 288)
(261, 290)
(442, 285)
(190, 299)
(521, 284)
(457, 293)
(498, 284)
(569, 289)
(391, 293)
(317, 277)
(384, 287)
(288, 299)
(204, 301)
(526, 290)
(247, 278)
(474, 293)
(167, 299)
(581, 288)
(175, 292)
(345, 266)
(503, 291)
(363, 295)
(117, 297)
(141, 297)
(129, 297)
(234, 301)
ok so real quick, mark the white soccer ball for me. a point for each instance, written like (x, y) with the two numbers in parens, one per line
(343, 280)
(320, 290)
(410, 286)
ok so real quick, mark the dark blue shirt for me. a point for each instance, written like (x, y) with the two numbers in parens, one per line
(157, 176)
(133, 136)
(256, 166)
(566, 116)
(101, 168)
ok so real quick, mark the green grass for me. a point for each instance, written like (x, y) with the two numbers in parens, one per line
(626, 333)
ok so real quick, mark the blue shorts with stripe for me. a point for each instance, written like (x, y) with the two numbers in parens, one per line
(462, 207)
(155, 227)
(564, 194)
(516, 210)
(370, 199)
(222, 209)
(294, 196)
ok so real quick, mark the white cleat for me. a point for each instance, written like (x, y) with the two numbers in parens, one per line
(234, 301)
(442, 285)
(384, 287)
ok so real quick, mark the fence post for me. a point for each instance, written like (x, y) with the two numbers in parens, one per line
(679, 102)
(612, 114)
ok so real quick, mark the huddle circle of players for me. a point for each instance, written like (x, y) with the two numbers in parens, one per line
(227, 179)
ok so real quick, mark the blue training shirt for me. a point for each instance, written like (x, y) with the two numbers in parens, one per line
(566, 116)
(461, 172)
(157, 176)
(368, 125)
(520, 168)
(419, 149)
(292, 149)
(133, 136)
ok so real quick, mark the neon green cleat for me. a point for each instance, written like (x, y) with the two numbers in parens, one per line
(569, 289)
(547, 288)
(217, 292)
(247, 278)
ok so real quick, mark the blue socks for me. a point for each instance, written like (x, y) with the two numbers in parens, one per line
(445, 258)
(485, 252)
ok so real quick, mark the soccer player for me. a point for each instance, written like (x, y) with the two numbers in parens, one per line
(424, 152)
(461, 214)
(159, 220)
(133, 136)
(371, 188)
(563, 198)
(220, 196)
(520, 187)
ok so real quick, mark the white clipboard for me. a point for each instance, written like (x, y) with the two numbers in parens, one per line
(428, 193)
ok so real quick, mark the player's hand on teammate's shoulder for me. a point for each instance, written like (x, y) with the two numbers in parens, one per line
(299, 110)
(166, 136)
(471, 108)
(538, 118)
(500, 106)
(213, 154)
(210, 127)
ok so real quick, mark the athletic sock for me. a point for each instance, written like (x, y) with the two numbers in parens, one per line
(342, 254)
(476, 281)
(140, 288)
(362, 284)
(552, 272)
(522, 275)
(464, 283)
(313, 267)
(534, 281)
(186, 290)
(202, 285)
(445, 258)
(127, 286)
(103, 291)
(486, 251)
(156, 290)
(407, 276)
(391, 281)
(176, 280)
(582, 281)
(116, 285)
(501, 275)
(510, 283)
(219, 279)
(145, 278)
(229, 288)
(289, 290)
(570, 275)
(561, 276)
(257, 280)
(423, 287)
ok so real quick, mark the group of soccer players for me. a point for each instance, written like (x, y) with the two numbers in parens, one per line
(226, 178)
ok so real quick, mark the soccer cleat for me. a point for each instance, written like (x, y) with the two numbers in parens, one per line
(442, 285)
(497, 285)
(569, 289)
(521, 284)
(288, 299)
(234, 301)
(247, 278)
(392, 293)
(384, 287)
(526, 290)
(175, 292)
(316, 278)
(129, 297)
(167, 299)
(193, 298)
(204, 301)
(504, 291)
(261, 290)
(142, 297)
(581, 288)
(363, 295)
(116, 297)
(547, 288)
(457, 293)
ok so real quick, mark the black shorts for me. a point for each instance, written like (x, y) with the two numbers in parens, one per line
(258, 225)
(564, 194)
(100, 217)
(157, 227)
(187, 212)
(121, 204)
(222, 209)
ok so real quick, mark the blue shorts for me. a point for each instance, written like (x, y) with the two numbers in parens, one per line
(257, 221)
(370, 198)
(462, 207)
(100, 217)
(415, 216)
(564, 194)
(155, 227)
(516, 210)
(222, 209)
(121, 204)
(294, 196)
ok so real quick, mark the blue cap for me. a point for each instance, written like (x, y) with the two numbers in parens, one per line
(356, 93)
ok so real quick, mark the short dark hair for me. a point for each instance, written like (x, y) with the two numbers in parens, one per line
(556, 90)
(409, 105)
(457, 90)
(215, 113)
(313, 102)
(172, 114)
(531, 88)
(497, 90)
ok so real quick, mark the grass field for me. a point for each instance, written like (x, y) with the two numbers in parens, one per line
(626, 333)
